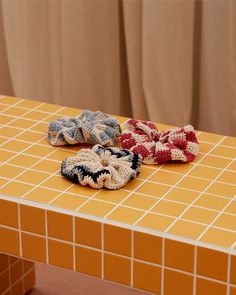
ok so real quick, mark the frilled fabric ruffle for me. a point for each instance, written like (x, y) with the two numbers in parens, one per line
(156, 147)
(102, 167)
(88, 127)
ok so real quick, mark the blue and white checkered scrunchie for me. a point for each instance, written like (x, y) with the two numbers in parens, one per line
(88, 127)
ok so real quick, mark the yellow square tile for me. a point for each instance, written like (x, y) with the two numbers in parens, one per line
(156, 222)
(222, 189)
(169, 208)
(35, 115)
(5, 120)
(9, 171)
(228, 176)
(23, 160)
(4, 155)
(133, 184)
(9, 100)
(44, 141)
(166, 177)
(32, 177)
(125, 215)
(15, 189)
(96, 208)
(9, 132)
(38, 150)
(70, 112)
(14, 111)
(3, 107)
(194, 183)
(22, 123)
(231, 208)
(57, 182)
(209, 137)
(164, 126)
(177, 167)
(60, 154)
(47, 166)
(205, 172)
(211, 202)
(69, 202)
(30, 136)
(15, 146)
(145, 172)
(198, 159)
(53, 118)
(232, 166)
(181, 195)
(219, 237)
(86, 191)
(153, 189)
(215, 161)
(200, 215)
(120, 119)
(41, 195)
(226, 221)
(40, 127)
(114, 196)
(224, 152)
(3, 181)
(29, 104)
(186, 229)
(205, 147)
(139, 201)
(50, 108)
(230, 141)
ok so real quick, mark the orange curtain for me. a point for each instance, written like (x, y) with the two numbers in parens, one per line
(168, 61)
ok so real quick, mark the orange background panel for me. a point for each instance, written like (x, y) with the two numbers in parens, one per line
(233, 291)
(147, 277)
(8, 213)
(212, 264)
(9, 241)
(88, 261)
(33, 247)
(117, 240)
(60, 254)
(117, 269)
(206, 287)
(60, 226)
(179, 255)
(176, 283)
(88, 232)
(147, 247)
(32, 219)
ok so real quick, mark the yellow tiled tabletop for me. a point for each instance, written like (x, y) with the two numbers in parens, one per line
(187, 208)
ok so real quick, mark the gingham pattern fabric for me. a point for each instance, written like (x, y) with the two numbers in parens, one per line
(156, 147)
(100, 167)
(88, 127)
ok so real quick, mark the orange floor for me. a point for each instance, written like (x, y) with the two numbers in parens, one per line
(167, 224)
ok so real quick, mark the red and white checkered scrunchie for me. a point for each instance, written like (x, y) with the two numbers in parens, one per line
(155, 147)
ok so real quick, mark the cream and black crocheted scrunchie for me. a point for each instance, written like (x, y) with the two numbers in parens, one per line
(88, 127)
(100, 167)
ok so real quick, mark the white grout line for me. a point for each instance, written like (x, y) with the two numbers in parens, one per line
(233, 245)
(163, 268)
(228, 275)
(195, 271)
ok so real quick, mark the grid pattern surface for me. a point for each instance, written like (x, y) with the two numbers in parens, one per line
(195, 201)
(17, 276)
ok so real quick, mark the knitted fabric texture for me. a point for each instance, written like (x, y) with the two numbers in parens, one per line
(88, 127)
(100, 167)
(155, 147)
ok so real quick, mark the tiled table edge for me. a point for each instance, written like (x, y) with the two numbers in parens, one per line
(115, 251)
(17, 276)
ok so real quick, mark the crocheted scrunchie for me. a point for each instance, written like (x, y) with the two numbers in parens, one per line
(155, 147)
(88, 127)
(99, 167)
